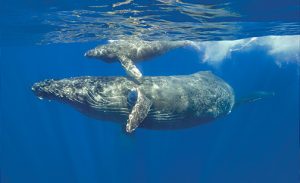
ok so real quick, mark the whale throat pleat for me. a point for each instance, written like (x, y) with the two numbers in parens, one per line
(160, 116)
(101, 104)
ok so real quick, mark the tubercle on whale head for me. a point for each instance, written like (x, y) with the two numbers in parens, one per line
(102, 52)
(40, 89)
(51, 89)
(48, 89)
(86, 90)
(94, 53)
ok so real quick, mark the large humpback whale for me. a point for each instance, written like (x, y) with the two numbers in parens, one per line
(129, 51)
(160, 102)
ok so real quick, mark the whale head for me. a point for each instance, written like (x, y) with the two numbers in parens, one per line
(105, 53)
(72, 91)
(101, 96)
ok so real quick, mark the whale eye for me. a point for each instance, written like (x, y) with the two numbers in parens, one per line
(132, 97)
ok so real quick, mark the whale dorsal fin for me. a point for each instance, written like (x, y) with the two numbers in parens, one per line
(139, 111)
(130, 68)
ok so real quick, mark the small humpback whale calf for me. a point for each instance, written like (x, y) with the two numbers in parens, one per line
(159, 102)
(130, 51)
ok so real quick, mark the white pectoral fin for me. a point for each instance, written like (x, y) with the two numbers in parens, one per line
(130, 68)
(139, 112)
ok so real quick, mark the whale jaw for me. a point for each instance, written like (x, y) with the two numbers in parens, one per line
(43, 89)
(93, 53)
(91, 93)
(62, 90)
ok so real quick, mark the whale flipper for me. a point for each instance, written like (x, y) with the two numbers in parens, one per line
(130, 68)
(139, 111)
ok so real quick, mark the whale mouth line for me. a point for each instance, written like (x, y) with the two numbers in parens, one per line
(37, 90)
(93, 53)
(88, 53)
(43, 90)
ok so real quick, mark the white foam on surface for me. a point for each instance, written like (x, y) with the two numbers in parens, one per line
(284, 49)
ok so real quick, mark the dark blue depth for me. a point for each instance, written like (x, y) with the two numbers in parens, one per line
(46, 142)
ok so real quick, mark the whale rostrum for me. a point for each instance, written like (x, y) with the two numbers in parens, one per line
(130, 51)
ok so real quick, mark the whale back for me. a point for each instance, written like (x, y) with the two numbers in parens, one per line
(185, 101)
(133, 49)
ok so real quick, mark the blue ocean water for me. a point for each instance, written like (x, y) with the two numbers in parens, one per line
(45, 141)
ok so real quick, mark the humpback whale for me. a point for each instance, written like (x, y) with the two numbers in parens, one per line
(129, 51)
(159, 102)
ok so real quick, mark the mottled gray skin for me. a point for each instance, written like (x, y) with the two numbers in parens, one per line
(130, 51)
(134, 49)
(177, 101)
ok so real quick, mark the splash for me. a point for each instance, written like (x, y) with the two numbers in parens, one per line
(285, 49)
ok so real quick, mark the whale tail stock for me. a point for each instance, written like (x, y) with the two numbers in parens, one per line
(254, 97)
